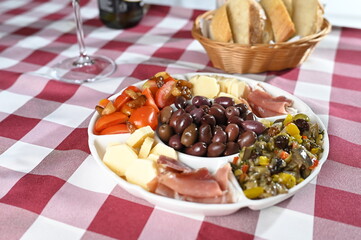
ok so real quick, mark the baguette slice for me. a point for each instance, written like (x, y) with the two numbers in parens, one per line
(247, 21)
(307, 16)
(282, 25)
(289, 6)
(219, 28)
(267, 32)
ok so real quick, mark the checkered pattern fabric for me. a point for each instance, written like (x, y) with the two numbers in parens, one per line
(51, 187)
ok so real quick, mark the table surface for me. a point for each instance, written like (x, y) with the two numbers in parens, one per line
(50, 185)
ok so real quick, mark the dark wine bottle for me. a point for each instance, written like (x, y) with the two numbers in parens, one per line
(120, 14)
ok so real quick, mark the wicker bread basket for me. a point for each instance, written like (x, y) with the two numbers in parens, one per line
(241, 58)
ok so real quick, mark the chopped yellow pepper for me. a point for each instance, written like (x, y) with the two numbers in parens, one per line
(253, 192)
(287, 179)
(293, 130)
(287, 120)
(263, 160)
(238, 172)
(314, 150)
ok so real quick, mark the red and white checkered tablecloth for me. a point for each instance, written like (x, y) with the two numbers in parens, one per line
(50, 185)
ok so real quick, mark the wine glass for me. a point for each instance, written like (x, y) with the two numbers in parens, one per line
(83, 68)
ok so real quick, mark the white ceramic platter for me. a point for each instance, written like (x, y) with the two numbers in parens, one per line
(97, 145)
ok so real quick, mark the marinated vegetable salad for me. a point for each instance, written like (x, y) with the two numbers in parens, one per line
(281, 157)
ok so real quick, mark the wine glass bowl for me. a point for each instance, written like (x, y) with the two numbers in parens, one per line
(83, 68)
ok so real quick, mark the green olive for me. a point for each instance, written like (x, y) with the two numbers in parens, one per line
(301, 116)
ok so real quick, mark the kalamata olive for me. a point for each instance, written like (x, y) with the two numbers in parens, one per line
(236, 120)
(189, 108)
(183, 122)
(242, 107)
(249, 116)
(175, 142)
(276, 165)
(205, 133)
(189, 135)
(180, 102)
(165, 132)
(246, 139)
(175, 116)
(208, 119)
(219, 106)
(216, 128)
(216, 149)
(232, 131)
(232, 111)
(205, 108)
(302, 124)
(165, 114)
(219, 114)
(224, 101)
(281, 141)
(231, 148)
(220, 136)
(254, 126)
(198, 149)
(197, 115)
(200, 100)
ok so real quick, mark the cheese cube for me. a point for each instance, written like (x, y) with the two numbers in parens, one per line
(141, 172)
(162, 149)
(119, 157)
(205, 86)
(153, 157)
(136, 139)
(146, 147)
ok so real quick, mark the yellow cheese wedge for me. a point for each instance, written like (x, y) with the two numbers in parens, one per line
(136, 139)
(162, 149)
(141, 172)
(153, 157)
(146, 147)
(229, 83)
(239, 89)
(119, 157)
(205, 86)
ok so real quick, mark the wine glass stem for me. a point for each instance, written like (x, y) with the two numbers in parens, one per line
(84, 59)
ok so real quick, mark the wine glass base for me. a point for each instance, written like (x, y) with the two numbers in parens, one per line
(75, 70)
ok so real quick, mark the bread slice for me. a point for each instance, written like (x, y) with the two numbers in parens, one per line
(267, 32)
(307, 16)
(219, 27)
(289, 6)
(282, 25)
(247, 21)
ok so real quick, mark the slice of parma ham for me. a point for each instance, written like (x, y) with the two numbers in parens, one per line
(264, 104)
(181, 182)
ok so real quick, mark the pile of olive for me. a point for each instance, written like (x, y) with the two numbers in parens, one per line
(202, 127)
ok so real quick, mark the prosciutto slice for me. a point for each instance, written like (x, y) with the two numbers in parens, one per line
(178, 181)
(265, 105)
(173, 165)
(191, 185)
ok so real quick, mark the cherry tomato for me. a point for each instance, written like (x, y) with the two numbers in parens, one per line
(144, 116)
(164, 96)
(109, 120)
(150, 100)
(124, 97)
(115, 129)
(151, 84)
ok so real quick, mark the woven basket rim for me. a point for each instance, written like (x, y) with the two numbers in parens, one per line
(196, 32)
